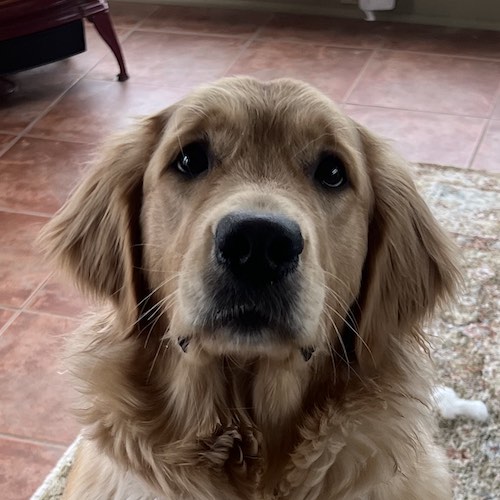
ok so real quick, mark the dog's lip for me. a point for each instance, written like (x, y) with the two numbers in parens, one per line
(242, 318)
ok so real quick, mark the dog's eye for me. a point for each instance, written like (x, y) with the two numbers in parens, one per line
(192, 160)
(331, 172)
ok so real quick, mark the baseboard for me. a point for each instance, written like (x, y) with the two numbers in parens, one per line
(332, 10)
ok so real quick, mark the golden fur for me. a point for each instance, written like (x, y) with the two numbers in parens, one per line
(234, 419)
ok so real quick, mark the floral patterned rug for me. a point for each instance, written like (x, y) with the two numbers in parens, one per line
(465, 337)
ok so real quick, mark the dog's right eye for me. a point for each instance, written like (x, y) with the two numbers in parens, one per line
(331, 172)
(193, 160)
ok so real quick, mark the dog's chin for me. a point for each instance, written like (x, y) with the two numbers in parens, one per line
(250, 344)
(243, 332)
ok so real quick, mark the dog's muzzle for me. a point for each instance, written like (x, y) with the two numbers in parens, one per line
(252, 284)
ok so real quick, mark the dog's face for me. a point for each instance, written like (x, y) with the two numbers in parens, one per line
(255, 214)
(250, 219)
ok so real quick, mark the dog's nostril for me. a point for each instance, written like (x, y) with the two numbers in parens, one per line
(258, 247)
(283, 249)
(236, 247)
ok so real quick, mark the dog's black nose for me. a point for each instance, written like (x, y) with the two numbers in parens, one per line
(258, 247)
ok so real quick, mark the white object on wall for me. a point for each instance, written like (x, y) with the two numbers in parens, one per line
(368, 6)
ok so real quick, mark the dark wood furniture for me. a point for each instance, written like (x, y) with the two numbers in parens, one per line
(23, 18)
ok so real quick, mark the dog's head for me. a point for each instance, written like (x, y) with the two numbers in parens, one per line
(256, 219)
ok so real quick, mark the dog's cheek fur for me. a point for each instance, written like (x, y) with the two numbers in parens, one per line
(96, 236)
(410, 268)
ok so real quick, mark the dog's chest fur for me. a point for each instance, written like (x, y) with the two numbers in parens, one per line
(251, 414)
(232, 424)
(237, 431)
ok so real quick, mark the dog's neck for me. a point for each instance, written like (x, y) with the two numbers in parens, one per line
(262, 397)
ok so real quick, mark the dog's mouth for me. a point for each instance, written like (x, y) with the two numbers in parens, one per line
(233, 318)
(253, 314)
(305, 351)
(251, 323)
(242, 319)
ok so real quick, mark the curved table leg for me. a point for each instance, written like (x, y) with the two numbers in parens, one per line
(7, 86)
(104, 27)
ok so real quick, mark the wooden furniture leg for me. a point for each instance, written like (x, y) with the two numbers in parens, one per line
(7, 86)
(104, 27)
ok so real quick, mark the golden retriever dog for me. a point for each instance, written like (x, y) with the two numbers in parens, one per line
(268, 264)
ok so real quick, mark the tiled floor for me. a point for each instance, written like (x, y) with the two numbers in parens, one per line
(434, 92)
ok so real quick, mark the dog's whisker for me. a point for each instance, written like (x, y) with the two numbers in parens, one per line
(346, 310)
(159, 348)
(161, 285)
(344, 306)
(143, 314)
(331, 351)
(352, 329)
(151, 313)
(342, 282)
(345, 356)
(166, 305)
(309, 280)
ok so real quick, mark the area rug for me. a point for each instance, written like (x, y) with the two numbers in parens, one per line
(465, 337)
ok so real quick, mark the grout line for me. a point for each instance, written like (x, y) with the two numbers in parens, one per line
(59, 139)
(173, 31)
(26, 212)
(318, 43)
(322, 43)
(414, 110)
(121, 39)
(25, 308)
(362, 72)
(138, 24)
(443, 54)
(268, 21)
(50, 106)
(34, 292)
(191, 34)
(9, 322)
(9, 145)
(326, 43)
(244, 47)
(485, 128)
(496, 100)
(38, 442)
(478, 145)
(143, 83)
(76, 317)
(7, 307)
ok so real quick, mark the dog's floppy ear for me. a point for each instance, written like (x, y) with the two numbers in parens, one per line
(95, 236)
(410, 266)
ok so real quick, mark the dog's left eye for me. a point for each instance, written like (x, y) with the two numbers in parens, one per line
(331, 172)
(192, 160)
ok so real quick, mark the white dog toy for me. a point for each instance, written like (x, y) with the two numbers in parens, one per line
(451, 406)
